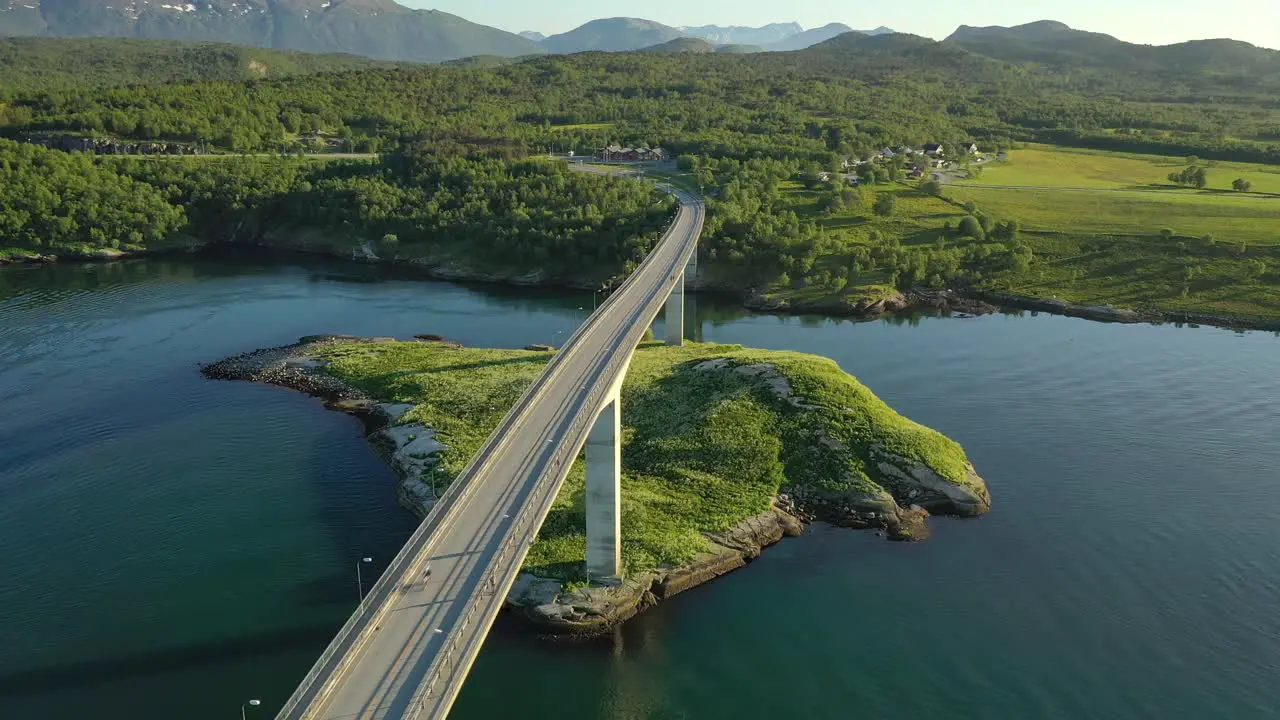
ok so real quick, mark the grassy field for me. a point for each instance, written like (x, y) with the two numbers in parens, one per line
(1065, 190)
(1051, 166)
(1153, 273)
(1228, 217)
(703, 448)
(1102, 247)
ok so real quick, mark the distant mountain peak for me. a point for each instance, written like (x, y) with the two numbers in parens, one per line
(740, 35)
(619, 34)
(682, 45)
(380, 29)
(1053, 43)
(809, 38)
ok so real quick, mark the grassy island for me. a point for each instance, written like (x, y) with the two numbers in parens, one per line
(713, 435)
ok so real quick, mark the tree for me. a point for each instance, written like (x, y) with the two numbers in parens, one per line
(1006, 231)
(970, 227)
(852, 198)
(1242, 185)
(1191, 176)
(388, 244)
(1200, 178)
(931, 187)
(1167, 233)
(686, 163)
(811, 177)
(885, 204)
(1020, 258)
(832, 202)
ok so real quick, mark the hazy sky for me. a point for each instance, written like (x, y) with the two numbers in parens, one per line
(1145, 21)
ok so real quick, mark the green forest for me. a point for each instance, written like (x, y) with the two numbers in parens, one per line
(456, 171)
(413, 205)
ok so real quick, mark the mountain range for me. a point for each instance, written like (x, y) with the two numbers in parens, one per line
(381, 29)
(386, 30)
(1055, 44)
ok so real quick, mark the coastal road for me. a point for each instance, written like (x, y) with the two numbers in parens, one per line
(407, 650)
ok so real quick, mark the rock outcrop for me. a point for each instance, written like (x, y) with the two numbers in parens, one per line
(591, 610)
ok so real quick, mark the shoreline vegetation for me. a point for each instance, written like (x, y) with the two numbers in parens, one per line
(833, 181)
(773, 242)
(728, 450)
(974, 302)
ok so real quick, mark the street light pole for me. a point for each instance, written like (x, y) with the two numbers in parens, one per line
(254, 703)
(360, 578)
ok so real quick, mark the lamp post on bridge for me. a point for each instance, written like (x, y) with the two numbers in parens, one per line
(251, 703)
(360, 577)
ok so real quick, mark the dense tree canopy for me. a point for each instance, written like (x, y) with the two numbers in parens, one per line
(51, 200)
(486, 211)
(847, 97)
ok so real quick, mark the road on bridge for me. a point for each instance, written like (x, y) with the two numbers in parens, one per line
(407, 650)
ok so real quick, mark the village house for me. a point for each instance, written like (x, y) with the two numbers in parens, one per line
(617, 153)
(320, 138)
(934, 149)
(971, 148)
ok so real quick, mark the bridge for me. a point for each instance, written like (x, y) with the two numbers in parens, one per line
(406, 650)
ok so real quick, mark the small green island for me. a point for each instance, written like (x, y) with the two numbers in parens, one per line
(726, 450)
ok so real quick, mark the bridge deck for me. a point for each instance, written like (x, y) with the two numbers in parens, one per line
(406, 651)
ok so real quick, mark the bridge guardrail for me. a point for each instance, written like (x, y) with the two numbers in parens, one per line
(520, 538)
(440, 513)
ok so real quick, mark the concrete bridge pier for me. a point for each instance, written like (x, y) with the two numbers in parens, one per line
(674, 323)
(604, 494)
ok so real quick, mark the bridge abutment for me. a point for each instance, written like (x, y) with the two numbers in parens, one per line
(604, 494)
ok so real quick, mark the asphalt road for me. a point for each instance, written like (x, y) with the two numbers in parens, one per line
(407, 651)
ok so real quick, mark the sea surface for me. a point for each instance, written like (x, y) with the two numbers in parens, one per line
(172, 547)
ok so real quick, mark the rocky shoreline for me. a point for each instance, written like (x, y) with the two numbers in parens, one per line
(981, 302)
(542, 602)
(547, 604)
(967, 302)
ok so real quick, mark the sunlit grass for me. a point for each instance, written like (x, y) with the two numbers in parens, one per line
(703, 449)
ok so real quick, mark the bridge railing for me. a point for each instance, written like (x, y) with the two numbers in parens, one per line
(520, 538)
(354, 633)
(438, 516)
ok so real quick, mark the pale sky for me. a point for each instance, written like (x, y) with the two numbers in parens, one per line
(1158, 22)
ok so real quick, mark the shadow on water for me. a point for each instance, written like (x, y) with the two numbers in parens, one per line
(118, 668)
(359, 513)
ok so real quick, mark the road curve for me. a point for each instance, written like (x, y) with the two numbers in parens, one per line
(406, 651)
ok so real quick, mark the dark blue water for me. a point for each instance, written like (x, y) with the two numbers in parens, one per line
(172, 547)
